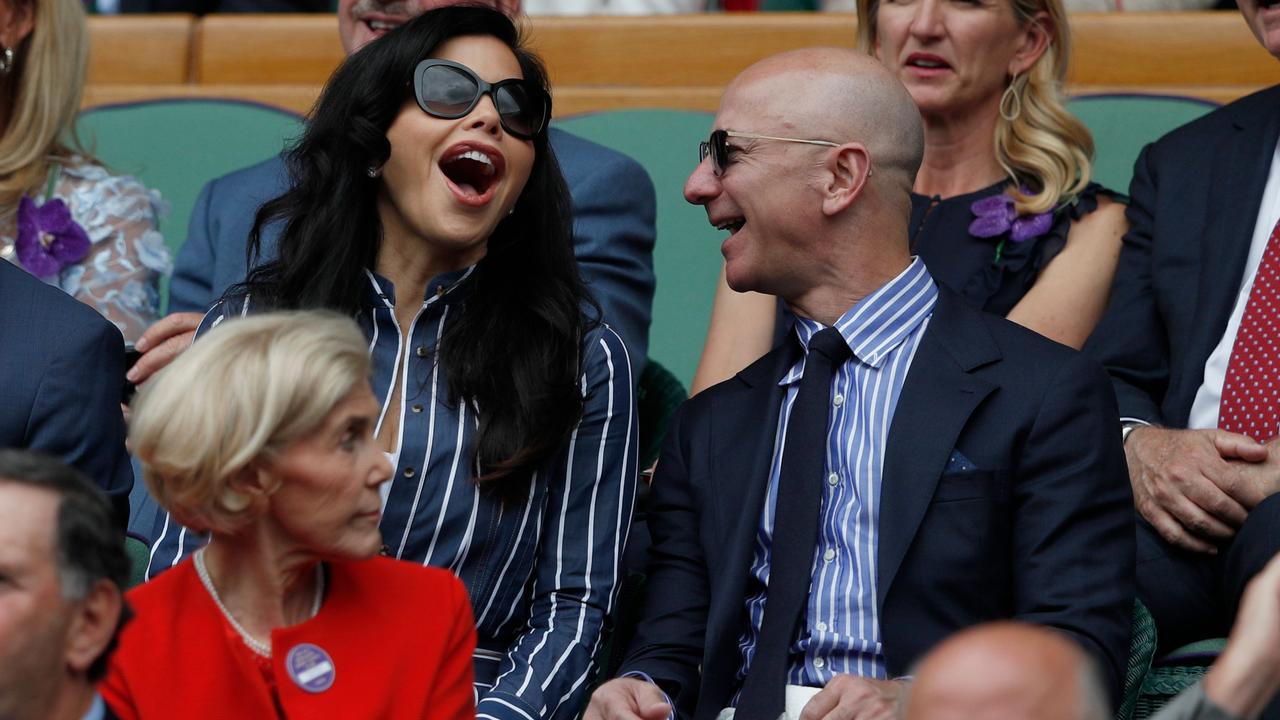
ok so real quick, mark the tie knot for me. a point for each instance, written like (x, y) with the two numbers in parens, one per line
(831, 345)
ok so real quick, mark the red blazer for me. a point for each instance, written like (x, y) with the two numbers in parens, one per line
(399, 638)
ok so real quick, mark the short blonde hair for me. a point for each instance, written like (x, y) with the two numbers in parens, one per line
(45, 90)
(1045, 148)
(240, 395)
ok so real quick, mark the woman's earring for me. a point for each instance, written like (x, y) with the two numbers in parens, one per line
(6, 61)
(374, 171)
(1011, 101)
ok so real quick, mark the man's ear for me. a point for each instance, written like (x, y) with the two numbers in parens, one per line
(93, 625)
(848, 168)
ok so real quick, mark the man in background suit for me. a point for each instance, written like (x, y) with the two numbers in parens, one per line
(61, 377)
(63, 570)
(1191, 341)
(613, 218)
(942, 467)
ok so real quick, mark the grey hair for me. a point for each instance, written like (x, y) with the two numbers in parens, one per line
(239, 396)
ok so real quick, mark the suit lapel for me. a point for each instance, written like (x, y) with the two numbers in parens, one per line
(937, 398)
(1237, 181)
(742, 435)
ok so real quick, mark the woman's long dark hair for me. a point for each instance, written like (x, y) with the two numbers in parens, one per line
(514, 351)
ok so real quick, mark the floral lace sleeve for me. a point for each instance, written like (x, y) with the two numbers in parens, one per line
(127, 256)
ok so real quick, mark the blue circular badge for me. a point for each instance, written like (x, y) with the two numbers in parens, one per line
(310, 668)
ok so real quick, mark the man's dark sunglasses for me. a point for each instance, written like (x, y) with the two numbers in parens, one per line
(717, 146)
(450, 90)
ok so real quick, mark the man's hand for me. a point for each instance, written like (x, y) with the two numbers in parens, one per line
(849, 697)
(1247, 674)
(1186, 486)
(162, 342)
(627, 699)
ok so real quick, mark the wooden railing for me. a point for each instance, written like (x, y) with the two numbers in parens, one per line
(602, 63)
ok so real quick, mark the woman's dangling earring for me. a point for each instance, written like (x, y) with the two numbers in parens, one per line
(1011, 101)
(6, 61)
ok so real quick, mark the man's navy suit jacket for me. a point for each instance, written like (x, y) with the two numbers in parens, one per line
(1042, 531)
(613, 234)
(1195, 197)
(61, 374)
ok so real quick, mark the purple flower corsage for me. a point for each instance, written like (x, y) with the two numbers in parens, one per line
(49, 239)
(995, 216)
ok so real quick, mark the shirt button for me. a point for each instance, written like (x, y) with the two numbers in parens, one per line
(822, 627)
(838, 400)
(417, 407)
(421, 351)
(829, 555)
(408, 472)
(819, 663)
(833, 479)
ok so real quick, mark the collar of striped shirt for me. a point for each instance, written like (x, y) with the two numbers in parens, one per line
(879, 322)
(445, 287)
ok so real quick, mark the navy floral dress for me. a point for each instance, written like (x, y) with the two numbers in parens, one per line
(991, 273)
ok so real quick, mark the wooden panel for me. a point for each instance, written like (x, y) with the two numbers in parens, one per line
(267, 49)
(294, 98)
(140, 49)
(676, 50)
(1205, 48)
(573, 100)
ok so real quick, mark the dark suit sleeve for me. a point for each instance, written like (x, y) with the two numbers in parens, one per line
(191, 287)
(1131, 341)
(669, 638)
(1073, 534)
(76, 413)
(613, 228)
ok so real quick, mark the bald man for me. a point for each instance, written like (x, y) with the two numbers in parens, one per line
(1007, 671)
(942, 467)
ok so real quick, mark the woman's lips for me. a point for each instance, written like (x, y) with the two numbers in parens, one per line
(467, 193)
(926, 65)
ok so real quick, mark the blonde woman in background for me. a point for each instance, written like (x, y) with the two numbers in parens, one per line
(64, 217)
(1003, 211)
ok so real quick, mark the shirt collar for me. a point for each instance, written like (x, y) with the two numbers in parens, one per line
(878, 323)
(381, 292)
(97, 711)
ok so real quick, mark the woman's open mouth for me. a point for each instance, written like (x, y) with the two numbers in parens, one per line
(473, 172)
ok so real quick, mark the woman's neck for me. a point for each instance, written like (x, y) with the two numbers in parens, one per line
(263, 584)
(959, 154)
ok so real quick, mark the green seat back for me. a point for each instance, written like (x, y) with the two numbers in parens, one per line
(139, 555)
(177, 145)
(686, 257)
(1123, 124)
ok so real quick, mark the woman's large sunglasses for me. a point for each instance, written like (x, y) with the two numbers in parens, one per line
(449, 90)
(717, 146)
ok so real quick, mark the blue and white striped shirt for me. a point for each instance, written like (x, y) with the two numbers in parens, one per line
(841, 630)
(543, 574)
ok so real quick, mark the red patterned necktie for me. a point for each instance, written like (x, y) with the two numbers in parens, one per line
(1251, 390)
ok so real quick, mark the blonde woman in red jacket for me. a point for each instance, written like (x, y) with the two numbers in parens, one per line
(262, 435)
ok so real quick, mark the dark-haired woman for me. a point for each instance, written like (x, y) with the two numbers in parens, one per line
(427, 204)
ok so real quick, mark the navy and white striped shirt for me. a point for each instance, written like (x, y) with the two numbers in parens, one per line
(543, 574)
(841, 631)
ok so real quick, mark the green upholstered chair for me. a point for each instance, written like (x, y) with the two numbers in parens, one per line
(139, 555)
(1175, 672)
(1142, 650)
(177, 145)
(1122, 124)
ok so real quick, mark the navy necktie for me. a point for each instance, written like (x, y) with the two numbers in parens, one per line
(795, 530)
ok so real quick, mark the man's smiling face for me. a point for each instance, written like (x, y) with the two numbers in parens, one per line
(361, 21)
(1263, 17)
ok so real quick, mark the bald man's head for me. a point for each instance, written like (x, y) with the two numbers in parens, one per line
(839, 95)
(1007, 671)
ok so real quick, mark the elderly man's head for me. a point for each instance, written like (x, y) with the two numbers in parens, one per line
(1007, 671)
(360, 21)
(62, 568)
(783, 200)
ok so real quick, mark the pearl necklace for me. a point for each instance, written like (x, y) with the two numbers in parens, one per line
(254, 644)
